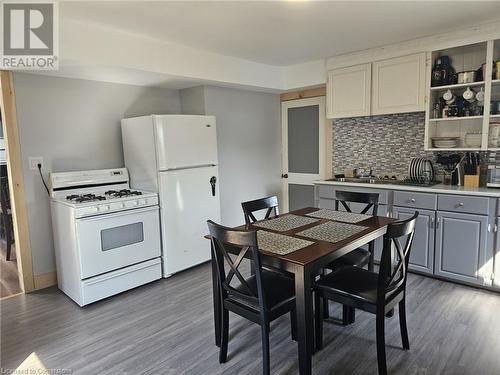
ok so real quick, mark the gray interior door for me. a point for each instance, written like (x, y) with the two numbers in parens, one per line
(303, 124)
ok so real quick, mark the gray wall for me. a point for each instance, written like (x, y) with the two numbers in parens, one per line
(249, 143)
(74, 125)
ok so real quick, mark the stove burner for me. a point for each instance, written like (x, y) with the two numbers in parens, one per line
(122, 193)
(85, 198)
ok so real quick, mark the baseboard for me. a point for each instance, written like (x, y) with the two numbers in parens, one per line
(45, 280)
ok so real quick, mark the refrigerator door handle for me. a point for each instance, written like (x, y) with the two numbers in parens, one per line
(213, 181)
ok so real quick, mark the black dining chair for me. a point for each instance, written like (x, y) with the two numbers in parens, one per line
(359, 257)
(372, 292)
(260, 298)
(6, 215)
(269, 203)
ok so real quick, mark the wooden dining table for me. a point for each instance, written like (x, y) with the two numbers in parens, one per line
(305, 264)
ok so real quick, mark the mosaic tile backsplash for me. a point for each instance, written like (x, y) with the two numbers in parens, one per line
(385, 143)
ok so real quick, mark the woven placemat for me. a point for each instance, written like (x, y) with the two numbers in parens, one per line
(279, 243)
(346, 217)
(332, 231)
(285, 222)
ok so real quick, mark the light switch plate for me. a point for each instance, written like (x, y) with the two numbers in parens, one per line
(34, 161)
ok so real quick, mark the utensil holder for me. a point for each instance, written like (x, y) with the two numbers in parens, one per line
(472, 180)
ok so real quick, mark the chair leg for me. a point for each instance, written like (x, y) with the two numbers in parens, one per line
(348, 315)
(318, 319)
(8, 240)
(402, 325)
(371, 262)
(381, 358)
(224, 335)
(266, 364)
(326, 309)
(293, 323)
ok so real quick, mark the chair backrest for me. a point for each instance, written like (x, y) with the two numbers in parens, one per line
(371, 200)
(269, 203)
(392, 279)
(245, 241)
(4, 195)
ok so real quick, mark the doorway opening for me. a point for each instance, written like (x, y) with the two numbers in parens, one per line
(16, 272)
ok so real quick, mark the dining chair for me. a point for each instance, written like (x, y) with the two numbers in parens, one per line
(6, 215)
(269, 203)
(375, 293)
(260, 298)
(358, 257)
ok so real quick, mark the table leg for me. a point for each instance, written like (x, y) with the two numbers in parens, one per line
(305, 329)
(216, 295)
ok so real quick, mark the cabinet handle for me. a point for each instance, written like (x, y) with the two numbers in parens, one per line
(437, 222)
(489, 227)
(432, 223)
(495, 228)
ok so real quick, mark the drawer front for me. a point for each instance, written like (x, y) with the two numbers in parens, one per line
(462, 203)
(417, 200)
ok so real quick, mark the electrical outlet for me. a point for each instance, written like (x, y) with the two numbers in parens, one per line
(34, 161)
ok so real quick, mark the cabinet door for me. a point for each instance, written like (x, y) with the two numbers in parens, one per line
(399, 85)
(461, 247)
(496, 257)
(348, 91)
(422, 250)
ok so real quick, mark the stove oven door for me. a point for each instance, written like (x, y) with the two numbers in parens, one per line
(112, 241)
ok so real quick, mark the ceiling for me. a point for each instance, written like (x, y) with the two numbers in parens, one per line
(286, 32)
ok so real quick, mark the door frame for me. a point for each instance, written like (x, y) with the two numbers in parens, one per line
(324, 149)
(16, 182)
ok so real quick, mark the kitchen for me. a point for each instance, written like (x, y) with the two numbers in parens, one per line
(297, 128)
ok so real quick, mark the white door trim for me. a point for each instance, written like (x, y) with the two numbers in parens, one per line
(302, 178)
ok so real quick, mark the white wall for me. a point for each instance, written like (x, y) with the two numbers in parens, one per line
(74, 125)
(249, 144)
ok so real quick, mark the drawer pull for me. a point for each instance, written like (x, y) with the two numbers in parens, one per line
(460, 204)
(412, 200)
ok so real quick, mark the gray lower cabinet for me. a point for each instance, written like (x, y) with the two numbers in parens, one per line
(496, 257)
(422, 250)
(461, 247)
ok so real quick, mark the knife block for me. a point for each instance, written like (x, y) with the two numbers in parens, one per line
(472, 180)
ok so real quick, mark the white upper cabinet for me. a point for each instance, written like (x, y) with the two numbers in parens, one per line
(398, 85)
(348, 91)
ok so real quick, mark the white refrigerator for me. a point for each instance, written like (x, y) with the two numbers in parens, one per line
(176, 155)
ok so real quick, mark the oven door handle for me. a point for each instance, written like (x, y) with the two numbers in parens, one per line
(118, 213)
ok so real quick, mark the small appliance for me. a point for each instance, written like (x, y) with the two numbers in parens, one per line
(493, 166)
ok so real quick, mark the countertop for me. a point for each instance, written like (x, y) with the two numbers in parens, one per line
(438, 189)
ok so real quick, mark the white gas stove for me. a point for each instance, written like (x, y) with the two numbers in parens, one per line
(106, 236)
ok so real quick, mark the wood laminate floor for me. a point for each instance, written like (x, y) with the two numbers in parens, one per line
(9, 281)
(166, 327)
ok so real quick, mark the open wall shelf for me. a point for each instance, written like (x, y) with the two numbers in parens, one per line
(481, 116)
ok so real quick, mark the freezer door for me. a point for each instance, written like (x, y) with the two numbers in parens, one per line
(185, 141)
(187, 201)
